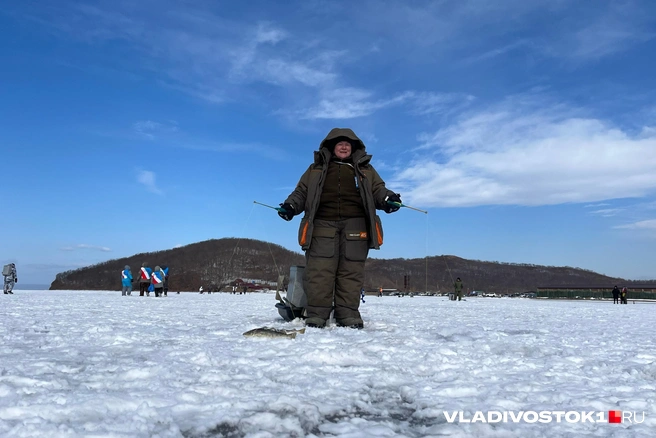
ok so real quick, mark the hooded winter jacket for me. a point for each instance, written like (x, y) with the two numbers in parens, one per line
(307, 194)
(145, 274)
(157, 278)
(126, 276)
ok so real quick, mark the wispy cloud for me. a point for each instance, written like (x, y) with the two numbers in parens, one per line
(607, 212)
(147, 178)
(528, 151)
(348, 103)
(195, 49)
(498, 51)
(351, 103)
(151, 130)
(609, 31)
(425, 103)
(84, 246)
(649, 225)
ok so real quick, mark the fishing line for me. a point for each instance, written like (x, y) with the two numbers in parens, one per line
(444, 257)
(267, 242)
(239, 238)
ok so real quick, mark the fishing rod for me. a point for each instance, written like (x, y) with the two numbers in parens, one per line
(398, 204)
(280, 209)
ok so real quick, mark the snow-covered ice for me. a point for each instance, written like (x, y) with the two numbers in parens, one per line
(96, 364)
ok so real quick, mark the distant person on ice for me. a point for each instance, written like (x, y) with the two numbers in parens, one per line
(126, 281)
(339, 194)
(144, 279)
(165, 270)
(616, 295)
(10, 277)
(157, 280)
(458, 288)
(623, 296)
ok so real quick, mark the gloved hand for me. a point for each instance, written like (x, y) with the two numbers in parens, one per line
(16, 280)
(286, 211)
(391, 208)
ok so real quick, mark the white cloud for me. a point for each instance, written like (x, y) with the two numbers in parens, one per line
(649, 225)
(607, 212)
(349, 103)
(151, 130)
(440, 103)
(147, 178)
(86, 246)
(613, 31)
(523, 152)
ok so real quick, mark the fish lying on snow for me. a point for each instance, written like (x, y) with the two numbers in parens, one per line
(270, 332)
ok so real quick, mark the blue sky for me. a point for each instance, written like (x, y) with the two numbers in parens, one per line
(526, 129)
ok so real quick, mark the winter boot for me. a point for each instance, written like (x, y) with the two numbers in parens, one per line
(315, 322)
(355, 323)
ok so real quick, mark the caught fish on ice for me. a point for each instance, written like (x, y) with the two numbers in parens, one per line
(270, 332)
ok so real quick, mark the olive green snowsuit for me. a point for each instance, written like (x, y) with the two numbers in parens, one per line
(340, 225)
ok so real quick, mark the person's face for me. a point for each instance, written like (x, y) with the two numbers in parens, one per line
(343, 150)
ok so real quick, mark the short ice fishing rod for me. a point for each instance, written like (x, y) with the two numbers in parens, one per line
(398, 204)
(280, 209)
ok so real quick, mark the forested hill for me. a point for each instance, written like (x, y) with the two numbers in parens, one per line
(214, 263)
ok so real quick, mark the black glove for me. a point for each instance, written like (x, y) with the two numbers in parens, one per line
(16, 280)
(391, 208)
(286, 211)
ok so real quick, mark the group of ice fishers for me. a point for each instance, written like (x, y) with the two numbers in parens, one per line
(149, 280)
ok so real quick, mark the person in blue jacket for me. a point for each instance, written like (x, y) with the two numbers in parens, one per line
(158, 281)
(165, 270)
(144, 279)
(126, 281)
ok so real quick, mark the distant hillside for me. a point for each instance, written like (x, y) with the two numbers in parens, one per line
(213, 263)
(210, 264)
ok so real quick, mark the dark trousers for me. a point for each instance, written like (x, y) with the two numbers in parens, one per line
(616, 300)
(334, 270)
(143, 287)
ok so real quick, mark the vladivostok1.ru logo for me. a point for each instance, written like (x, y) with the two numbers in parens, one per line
(545, 417)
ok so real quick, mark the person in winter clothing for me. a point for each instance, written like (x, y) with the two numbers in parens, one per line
(339, 194)
(10, 280)
(144, 279)
(165, 270)
(623, 296)
(457, 286)
(616, 295)
(157, 280)
(126, 281)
